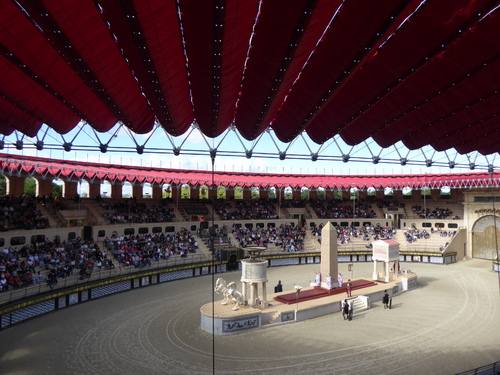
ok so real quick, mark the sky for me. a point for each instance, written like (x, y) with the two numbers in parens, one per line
(230, 156)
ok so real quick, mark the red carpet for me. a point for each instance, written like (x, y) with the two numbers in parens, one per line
(318, 292)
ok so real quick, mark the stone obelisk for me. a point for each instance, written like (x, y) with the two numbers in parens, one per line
(329, 253)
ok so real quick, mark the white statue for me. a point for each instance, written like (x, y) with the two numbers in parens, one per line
(329, 282)
(229, 292)
(318, 279)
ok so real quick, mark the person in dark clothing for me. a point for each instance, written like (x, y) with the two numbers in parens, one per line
(278, 288)
(385, 299)
(345, 309)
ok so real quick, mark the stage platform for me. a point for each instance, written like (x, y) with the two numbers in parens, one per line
(319, 292)
(283, 307)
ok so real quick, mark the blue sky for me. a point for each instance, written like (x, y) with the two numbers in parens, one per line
(119, 139)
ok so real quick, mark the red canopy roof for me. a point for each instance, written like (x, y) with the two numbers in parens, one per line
(421, 72)
(75, 171)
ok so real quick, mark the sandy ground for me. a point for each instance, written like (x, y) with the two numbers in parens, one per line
(449, 324)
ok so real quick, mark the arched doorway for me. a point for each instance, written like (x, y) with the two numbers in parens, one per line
(484, 237)
(83, 189)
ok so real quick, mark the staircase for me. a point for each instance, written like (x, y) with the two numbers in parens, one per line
(95, 210)
(360, 303)
(273, 318)
(203, 247)
(55, 220)
(379, 212)
(311, 212)
(311, 243)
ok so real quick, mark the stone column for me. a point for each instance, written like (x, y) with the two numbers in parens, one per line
(247, 194)
(94, 189)
(313, 194)
(116, 190)
(44, 187)
(329, 255)
(15, 186)
(264, 295)
(157, 192)
(70, 189)
(264, 193)
(244, 291)
(396, 268)
(253, 294)
(375, 274)
(194, 191)
(137, 191)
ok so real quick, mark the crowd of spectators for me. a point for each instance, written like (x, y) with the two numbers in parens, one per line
(389, 203)
(444, 233)
(141, 250)
(413, 234)
(257, 209)
(436, 213)
(293, 203)
(15, 272)
(50, 261)
(130, 211)
(287, 237)
(58, 259)
(367, 233)
(343, 209)
(21, 213)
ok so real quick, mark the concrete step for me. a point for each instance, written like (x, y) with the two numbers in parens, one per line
(361, 303)
(275, 316)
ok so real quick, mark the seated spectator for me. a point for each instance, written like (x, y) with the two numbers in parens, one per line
(259, 209)
(138, 250)
(131, 211)
(21, 213)
(342, 209)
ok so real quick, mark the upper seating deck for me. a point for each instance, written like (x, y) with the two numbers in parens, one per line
(109, 211)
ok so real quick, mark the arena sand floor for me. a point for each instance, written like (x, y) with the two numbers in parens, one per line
(449, 324)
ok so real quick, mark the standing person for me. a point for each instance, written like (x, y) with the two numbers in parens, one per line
(351, 310)
(279, 287)
(345, 309)
(349, 288)
(385, 299)
(340, 280)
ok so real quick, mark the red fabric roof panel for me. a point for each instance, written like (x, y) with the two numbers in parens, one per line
(27, 95)
(162, 33)
(275, 62)
(30, 50)
(99, 51)
(216, 38)
(411, 47)
(12, 118)
(392, 70)
(353, 32)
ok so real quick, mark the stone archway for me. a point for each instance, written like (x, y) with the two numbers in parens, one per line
(484, 241)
